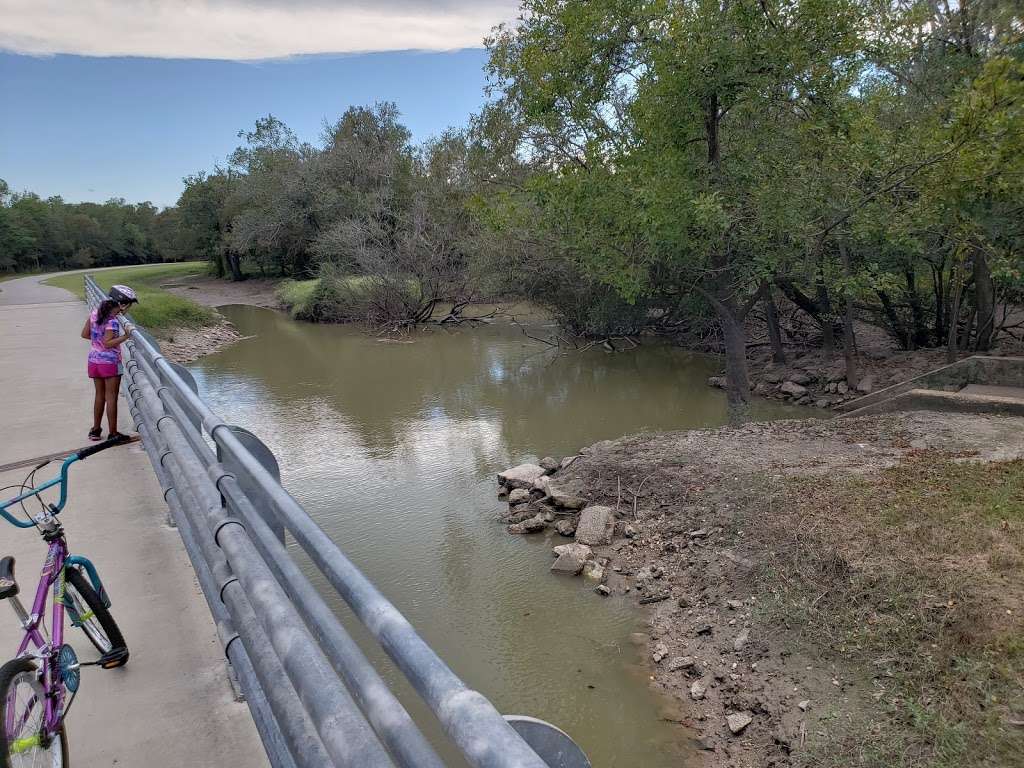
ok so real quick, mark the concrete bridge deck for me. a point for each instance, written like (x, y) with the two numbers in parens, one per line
(172, 704)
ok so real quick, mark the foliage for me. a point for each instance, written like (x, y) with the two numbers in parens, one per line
(38, 235)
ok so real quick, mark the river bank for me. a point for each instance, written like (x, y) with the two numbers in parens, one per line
(822, 593)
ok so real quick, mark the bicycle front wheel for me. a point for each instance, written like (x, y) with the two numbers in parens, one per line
(87, 612)
(24, 740)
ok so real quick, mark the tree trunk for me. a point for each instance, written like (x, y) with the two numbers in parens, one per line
(774, 331)
(235, 265)
(921, 334)
(828, 333)
(849, 338)
(984, 301)
(969, 330)
(737, 378)
(940, 301)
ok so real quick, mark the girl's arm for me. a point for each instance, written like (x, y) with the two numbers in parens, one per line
(86, 329)
(110, 340)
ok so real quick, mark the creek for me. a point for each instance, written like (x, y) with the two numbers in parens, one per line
(393, 447)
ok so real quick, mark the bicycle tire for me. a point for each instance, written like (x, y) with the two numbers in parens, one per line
(12, 674)
(99, 626)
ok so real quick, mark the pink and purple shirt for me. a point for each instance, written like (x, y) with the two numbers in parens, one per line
(97, 352)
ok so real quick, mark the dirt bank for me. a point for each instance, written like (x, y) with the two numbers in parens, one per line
(214, 292)
(185, 344)
(822, 593)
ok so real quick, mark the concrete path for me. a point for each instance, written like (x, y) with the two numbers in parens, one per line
(172, 704)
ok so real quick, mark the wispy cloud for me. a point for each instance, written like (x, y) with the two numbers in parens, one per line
(229, 29)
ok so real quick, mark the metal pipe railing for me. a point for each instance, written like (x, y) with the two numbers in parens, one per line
(315, 697)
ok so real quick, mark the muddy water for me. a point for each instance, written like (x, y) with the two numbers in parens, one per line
(393, 448)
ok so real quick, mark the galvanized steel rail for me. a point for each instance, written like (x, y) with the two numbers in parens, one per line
(315, 698)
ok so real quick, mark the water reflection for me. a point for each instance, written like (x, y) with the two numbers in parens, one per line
(393, 448)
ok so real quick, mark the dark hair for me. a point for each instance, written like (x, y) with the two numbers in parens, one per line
(104, 312)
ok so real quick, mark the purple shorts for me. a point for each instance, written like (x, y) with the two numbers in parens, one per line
(104, 370)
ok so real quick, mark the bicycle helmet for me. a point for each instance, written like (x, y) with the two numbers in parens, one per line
(122, 294)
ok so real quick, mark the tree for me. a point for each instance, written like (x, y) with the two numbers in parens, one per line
(667, 131)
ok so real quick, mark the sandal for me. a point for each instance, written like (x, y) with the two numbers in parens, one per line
(94, 434)
(118, 437)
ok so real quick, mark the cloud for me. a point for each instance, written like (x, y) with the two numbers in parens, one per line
(229, 29)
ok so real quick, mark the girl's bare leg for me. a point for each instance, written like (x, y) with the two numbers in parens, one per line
(112, 388)
(98, 403)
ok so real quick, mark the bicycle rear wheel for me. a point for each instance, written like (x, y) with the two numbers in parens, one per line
(24, 742)
(87, 612)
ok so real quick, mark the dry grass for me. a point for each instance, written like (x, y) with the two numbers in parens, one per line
(912, 575)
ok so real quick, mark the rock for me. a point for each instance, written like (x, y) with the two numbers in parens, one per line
(741, 640)
(717, 381)
(571, 558)
(704, 744)
(602, 590)
(564, 497)
(681, 662)
(595, 526)
(502, 491)
(519, 496)
(782, 739)
(593, 570)
(661, 596)
(842, 388)
(522, 512)
(629, 532)
(772, 378)
(657, 572)
(805, 400)
(836, 376)
(804, 705)
(549, 464)
(541, 485)
(822, 403)
(697, 690)
(734, 605)
(704, 629)
(567, 461)
(644, 574)
(799, 377)
(683, 602)
(866, 385)
(660, 652)
(566, 526)
(532, 525)
(700, 533)
(549, 516)
(793, 389)
(738, 722)
(523, 476)
(761, 388)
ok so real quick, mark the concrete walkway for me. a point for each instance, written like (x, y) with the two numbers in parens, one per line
(172, 704)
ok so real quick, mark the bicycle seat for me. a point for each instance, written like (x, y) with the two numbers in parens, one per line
(8, 586)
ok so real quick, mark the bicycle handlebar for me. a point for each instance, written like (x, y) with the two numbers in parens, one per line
(62, 480)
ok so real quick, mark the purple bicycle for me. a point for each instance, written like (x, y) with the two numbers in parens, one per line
(39, 685)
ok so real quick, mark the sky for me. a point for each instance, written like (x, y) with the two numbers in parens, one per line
(123, 98)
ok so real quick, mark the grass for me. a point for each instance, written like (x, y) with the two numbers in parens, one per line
(296, 294)
(157, 310)
(914, 577)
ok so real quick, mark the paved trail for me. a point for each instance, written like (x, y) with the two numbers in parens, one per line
(171, 705)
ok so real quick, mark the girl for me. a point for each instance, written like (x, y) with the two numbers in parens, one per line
(105, 330)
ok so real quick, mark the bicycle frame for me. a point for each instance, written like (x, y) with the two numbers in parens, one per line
(46, 650)
(34, 642)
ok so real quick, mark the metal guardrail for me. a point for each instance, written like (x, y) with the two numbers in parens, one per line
(317, 701)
